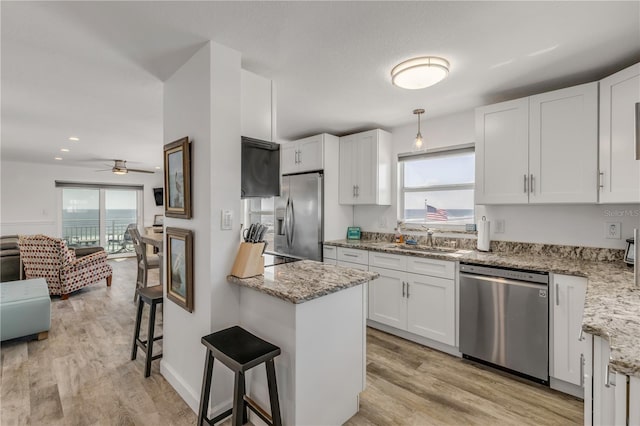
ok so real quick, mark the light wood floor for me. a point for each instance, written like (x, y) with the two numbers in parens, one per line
(82, 375)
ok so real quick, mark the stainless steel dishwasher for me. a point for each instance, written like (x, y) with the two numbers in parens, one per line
(504, 319)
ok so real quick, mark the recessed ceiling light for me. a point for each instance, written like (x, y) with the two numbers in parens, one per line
(57, 158)
(64, 149)
(73, 138)
(418, 73)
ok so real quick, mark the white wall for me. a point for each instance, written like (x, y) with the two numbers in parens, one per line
(202, 101)
(581, 225)
(31, 204)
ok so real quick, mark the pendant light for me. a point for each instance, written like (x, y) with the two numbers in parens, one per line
(418, 143)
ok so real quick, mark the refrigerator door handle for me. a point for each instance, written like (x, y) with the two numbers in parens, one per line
(286, 221)
(292, 223)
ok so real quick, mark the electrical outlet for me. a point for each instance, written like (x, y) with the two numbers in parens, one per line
(382, 222)
(612, 230)
(499, 226)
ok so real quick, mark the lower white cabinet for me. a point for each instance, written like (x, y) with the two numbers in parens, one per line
(610, 398)
(568, 306)
(420, 304)
(387, 302)
(431, 308)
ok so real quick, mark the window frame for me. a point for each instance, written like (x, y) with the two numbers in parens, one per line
(402, 189)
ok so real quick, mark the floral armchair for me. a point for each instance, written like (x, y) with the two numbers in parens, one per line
(51, 259)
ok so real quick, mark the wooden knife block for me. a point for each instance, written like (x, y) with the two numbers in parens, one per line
(249, 261)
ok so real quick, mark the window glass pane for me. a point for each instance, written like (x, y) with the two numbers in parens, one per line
(81, 217)
(440, 170)
(120, 211)
(453, 207)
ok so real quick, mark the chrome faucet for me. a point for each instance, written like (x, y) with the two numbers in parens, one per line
(429, 237)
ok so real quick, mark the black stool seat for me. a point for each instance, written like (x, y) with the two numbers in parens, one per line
(240, 351)
(152, 296)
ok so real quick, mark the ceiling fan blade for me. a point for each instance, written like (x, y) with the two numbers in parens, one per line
(103, 170)
(139, 171)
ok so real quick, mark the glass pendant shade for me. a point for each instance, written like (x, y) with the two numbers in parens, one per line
(418, 143)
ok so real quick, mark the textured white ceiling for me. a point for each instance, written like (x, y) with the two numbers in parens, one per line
(95, 69)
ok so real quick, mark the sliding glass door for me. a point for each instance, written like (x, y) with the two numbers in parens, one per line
(100, 216)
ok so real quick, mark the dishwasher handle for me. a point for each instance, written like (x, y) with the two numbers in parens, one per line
(505, 281)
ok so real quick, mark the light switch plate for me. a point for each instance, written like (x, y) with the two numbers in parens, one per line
(612, 230)
(226, 220)
(499, 226)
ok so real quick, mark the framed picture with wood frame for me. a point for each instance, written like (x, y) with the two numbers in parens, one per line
(179, 269)
(177, 179)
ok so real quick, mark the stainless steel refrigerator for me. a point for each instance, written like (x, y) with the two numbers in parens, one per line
(299, 227)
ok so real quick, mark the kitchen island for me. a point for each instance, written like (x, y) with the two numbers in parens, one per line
(316, 314)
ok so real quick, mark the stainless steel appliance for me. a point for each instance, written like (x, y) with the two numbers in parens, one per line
(299, 229)
(504, 319)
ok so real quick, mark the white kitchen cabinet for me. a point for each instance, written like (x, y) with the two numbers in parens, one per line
(345, 254)
(563, 145)
(365, 168)
(541, 149)
(420, 304)
(568, 306)
(303, 155)
(329, 252)
(619, 170)
(430, 308)
(612, 398)
(387, 302)
(330, 261)
(502, 159)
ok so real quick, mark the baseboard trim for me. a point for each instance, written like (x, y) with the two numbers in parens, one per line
(189, 396)
(565, 387)
(451, 350)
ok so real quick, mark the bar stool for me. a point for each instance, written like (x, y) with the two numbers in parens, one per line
(153, 297)
(240, 351)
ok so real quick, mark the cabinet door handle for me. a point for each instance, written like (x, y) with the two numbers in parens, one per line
(296, 156)
(557, 295)
(601, 180)
(526, 187)
(403, 284)
(407, 290)
(357, 190)
(581, 370)
(353, 191)
(581, 335)
(607, 379)
(531, 184)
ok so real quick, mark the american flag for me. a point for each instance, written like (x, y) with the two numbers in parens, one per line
(436, 214)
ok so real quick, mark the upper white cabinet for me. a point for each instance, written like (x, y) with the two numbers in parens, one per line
(365, 168)
(303, 155)
(619, 169)
(541, 149)
(568, 306)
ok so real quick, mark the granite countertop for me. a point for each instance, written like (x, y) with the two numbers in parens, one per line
(299, 282)
(612, 305)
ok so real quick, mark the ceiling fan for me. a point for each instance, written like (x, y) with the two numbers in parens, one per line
(120, 168)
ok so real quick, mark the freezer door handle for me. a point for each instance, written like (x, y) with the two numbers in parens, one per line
(292, 223)
(287, 220)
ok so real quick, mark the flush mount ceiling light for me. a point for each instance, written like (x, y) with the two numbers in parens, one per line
(74, 139)
(418, 73)
(417, 143)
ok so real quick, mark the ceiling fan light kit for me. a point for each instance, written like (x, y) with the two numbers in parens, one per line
(419, 73)
(120, 168)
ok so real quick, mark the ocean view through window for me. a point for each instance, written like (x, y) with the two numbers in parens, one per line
(436, 187)
(92, 217)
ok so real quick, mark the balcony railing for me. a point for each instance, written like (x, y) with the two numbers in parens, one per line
(86, 233)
